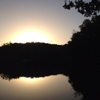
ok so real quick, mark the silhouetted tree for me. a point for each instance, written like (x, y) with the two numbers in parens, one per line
(86, 8)
(84, 60)
(30, 59)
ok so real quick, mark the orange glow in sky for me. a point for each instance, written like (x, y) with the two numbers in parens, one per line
(52, 23)
(31, 36)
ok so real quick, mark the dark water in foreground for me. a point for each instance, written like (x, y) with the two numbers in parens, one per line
(52, 87)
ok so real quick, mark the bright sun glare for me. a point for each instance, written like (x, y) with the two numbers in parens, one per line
(27, 79)
(31, 36)
(30, 80)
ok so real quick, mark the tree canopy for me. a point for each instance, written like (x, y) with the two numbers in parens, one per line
(85, 8)
(84, 59)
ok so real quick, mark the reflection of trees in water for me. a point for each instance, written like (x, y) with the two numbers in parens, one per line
(5, 76)
(79, 59)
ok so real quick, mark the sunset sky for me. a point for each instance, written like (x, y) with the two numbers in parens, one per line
(37, 21)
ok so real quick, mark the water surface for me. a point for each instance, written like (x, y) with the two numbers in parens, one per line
(52, 87)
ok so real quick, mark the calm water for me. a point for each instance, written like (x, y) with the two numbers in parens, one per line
(47, 88)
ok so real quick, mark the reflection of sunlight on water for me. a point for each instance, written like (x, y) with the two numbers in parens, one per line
(54, 87)
(29, 79)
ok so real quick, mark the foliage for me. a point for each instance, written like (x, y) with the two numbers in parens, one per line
(17, 59)
(85, 8)
(85, 59)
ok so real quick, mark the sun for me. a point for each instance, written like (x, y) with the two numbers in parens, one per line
(31, 36)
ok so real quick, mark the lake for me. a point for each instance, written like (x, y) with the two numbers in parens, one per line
(54, 87)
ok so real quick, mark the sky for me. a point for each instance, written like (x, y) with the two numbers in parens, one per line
(37, 21)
